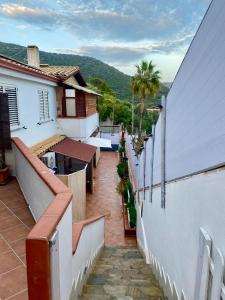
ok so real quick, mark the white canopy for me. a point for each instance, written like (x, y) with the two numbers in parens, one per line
(99, 142)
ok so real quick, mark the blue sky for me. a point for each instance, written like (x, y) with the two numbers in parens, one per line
(118, 32)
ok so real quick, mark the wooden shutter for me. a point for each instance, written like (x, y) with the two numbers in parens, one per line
(5, 140)
(13, 106)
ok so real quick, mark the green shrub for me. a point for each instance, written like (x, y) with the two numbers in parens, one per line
(122, 169)
(133, 216)
(122, 142)
(121, 150)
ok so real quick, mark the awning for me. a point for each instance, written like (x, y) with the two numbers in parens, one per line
(43, 146)
(99, 142)
(74, 149)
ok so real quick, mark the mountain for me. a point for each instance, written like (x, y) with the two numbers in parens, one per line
(90, 67)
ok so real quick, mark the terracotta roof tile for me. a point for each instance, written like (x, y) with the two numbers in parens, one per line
(24, 68)
(61, 71)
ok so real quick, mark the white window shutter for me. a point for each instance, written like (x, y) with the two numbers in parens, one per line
(13, 106)
(44, 105)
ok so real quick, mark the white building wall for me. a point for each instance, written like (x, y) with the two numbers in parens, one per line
(79, 129)
(173, 233)
(28, 106)
(195, 142)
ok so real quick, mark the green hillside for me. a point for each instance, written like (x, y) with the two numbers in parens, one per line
(90, 67)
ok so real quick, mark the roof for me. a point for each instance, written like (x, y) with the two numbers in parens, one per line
(81, 88)
(75, 149)
(60, 71)
(16, 65)
(43, 146)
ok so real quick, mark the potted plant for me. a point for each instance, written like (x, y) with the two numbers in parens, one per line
(4, 170)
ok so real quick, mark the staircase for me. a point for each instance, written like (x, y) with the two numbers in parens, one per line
(121, 273)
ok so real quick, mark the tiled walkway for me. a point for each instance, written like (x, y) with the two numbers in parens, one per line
(15, 223)
(106, 200)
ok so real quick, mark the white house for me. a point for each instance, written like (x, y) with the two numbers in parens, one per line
(32, 100)
(183, 237)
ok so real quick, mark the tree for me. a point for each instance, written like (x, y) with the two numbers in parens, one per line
(146, 82)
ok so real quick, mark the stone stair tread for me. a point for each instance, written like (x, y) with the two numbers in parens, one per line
(122, 274)
(123, 290)
(101, 279)
(87, 296)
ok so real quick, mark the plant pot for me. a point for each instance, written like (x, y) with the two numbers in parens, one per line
(4, 175)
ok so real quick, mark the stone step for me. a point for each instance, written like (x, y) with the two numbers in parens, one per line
(119, 277)
(116, 273)
(123, 290)
(121, 273)
(107, 297)
(99, 279)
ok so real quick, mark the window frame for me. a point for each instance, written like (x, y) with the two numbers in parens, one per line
(70, 98)
(4, 87)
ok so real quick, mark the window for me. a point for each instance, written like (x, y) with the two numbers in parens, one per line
(13, 105)
(70, 103)
(44, 105)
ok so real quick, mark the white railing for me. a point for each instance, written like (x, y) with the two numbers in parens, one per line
(210, 271)
(88, 247)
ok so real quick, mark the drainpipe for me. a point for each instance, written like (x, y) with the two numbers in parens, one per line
(152, 163)
(144, 167)
(163, 152)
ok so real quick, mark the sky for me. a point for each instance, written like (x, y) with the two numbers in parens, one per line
(121, 33)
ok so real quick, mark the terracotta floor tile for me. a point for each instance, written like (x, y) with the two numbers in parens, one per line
(21, 296)
(106, 200)
(8, 223)
(3, 246)
(13, 282)
(19, 246)
(23, 258)
(15, 233)
(8, 261)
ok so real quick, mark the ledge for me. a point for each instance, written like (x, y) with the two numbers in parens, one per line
(78, 228)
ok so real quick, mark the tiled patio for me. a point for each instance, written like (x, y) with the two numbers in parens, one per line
(15, 223)
(106, 200)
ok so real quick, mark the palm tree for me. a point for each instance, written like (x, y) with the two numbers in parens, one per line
(146, 82)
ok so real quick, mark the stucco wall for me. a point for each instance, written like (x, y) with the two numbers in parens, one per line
(79, 128)
(28, 106)
(173, 233)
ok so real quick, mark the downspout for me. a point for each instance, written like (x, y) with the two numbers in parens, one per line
(163, 152)
(144, 167)
(152, 162)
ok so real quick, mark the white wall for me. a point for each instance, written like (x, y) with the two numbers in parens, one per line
(37, 194)
(28, 106)
(64, 229)
(93, 236)
(79, 128)
(195, 142)
(173, 233)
